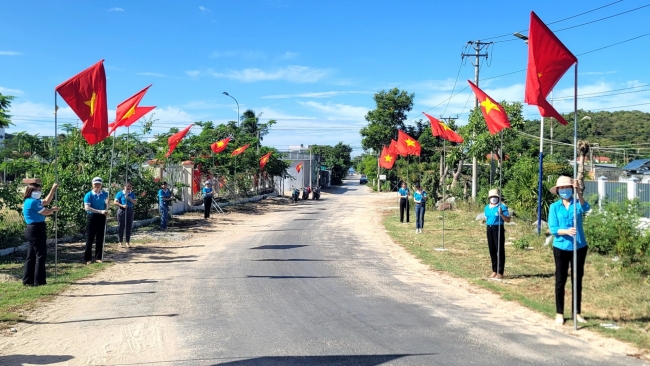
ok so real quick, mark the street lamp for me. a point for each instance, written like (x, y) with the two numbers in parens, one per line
(238, 118)
(521, 36)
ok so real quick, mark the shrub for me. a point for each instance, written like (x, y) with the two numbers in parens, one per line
(521, 243)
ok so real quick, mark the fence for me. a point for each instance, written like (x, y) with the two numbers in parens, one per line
(619, 191)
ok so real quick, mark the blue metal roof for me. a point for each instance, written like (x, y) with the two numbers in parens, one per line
(638, 165)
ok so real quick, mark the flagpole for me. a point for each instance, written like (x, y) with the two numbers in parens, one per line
(444, 174)
(574, 271)
(126, 181)
(56, 180)
(539, 183)
(110, 177)
(500, 202)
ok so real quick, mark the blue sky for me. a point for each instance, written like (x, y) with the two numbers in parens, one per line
(311, 65)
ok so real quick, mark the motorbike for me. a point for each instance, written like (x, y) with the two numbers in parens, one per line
(295, 192)
(305, 193)
(316, 194)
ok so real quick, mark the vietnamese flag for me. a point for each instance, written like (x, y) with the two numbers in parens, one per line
(298, 167)
(240, 150)
(494, 114)
(220, 145)
(407, 145)
(265, 159)
(392, 148)
(438, 128)
(176, 138)
(128, 111)
(386, 159)
(548, 60)
(85, 93)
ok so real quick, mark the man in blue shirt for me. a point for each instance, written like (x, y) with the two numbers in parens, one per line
(208, 193)
(403, 194)
(96, 204)
(164, 201)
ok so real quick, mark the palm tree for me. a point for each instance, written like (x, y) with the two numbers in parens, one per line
(5, 103)
(250, 124)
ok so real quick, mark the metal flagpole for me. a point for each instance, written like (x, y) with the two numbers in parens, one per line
(541, 169)
(126, 181)
(499, 207)
(574, 271)
(110, 177)
(444, 174)
(56, 180)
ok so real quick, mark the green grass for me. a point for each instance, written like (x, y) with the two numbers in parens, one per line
(609, 294)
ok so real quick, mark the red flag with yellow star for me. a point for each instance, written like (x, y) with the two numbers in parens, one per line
(438, 128)
(407, 145)
(386, 159)
(298, 167)
(85, 93)
(220, 145)
(494, 114)
(128, 111)
(240, 150)
(176, 138)
(548, 60)
(265, 159)
(392, 148)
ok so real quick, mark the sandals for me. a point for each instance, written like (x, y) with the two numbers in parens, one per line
(120, 245)
(128, 245)
(580, 319)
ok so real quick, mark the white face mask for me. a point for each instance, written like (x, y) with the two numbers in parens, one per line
(36, 195)
(494, 200)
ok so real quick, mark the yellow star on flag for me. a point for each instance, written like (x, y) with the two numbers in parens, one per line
(220, 143)
(91, 103)
(388, 158)
(129, 113)
(444, 126)
(265, 159)
(539, 74)
(409, 142)
(488, 105)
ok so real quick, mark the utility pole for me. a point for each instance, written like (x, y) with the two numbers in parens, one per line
(478, 46)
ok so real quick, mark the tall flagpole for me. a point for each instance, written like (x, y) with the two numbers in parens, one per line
(574, 271)
(56, 180)
(499, 207)
(110, 177)
(541, 169)
(444, 175)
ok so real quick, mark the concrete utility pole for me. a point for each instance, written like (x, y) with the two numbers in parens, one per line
(478, 47)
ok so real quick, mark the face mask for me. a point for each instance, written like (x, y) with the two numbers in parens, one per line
(565, 193)
(494, 200)
(36, 195)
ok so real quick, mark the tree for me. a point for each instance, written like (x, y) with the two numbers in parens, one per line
(336, 158)
(386, 119)
(5, 103)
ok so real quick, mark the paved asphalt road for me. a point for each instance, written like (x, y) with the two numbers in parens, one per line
(310, 290)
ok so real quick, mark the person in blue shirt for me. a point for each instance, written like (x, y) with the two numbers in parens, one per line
(164, 201)
(207, 193)
(96, 206)
(403, 194)
(564, 229)
(496, 214)
(420, 199)
(124, 200)
(34, 212)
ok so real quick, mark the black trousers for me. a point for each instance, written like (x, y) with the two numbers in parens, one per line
(95, 224)
(207, 205)
(564, 259)
(34, 273)
(497, 253)
(403, 207)
(125, 223)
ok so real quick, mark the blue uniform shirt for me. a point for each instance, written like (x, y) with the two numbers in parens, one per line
(403, 192)
(164, 194)
(121, 198)
(420, 197)
(492, 214)
(32, 209)
(96, 201)
(207, 192)
(560, 217)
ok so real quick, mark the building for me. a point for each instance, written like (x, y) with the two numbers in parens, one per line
(638, 169)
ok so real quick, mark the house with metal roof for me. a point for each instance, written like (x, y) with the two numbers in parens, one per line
(640, 166)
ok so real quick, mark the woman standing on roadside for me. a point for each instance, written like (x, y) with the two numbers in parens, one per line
(96, 204)
(207, 192)
(125, 199)
(496, 214)
(420, 199)
(564, 230)
(34, 212)
(403, 194)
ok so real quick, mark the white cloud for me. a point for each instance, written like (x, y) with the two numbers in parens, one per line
(289, 55)
(9, 91)
(10, 53)
(295, 74)
(204, 9)
(339, 111)
(193, 73)
(598, 73)
(270, 113)
(328, 94)
(154, 74)
(203, 104)
(116, 10)
(243, 54)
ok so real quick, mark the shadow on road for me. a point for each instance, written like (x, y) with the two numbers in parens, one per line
(281, 246)
(16, 360)
(124, 293)
(289, 277)
(99, 319)
(358, 360)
